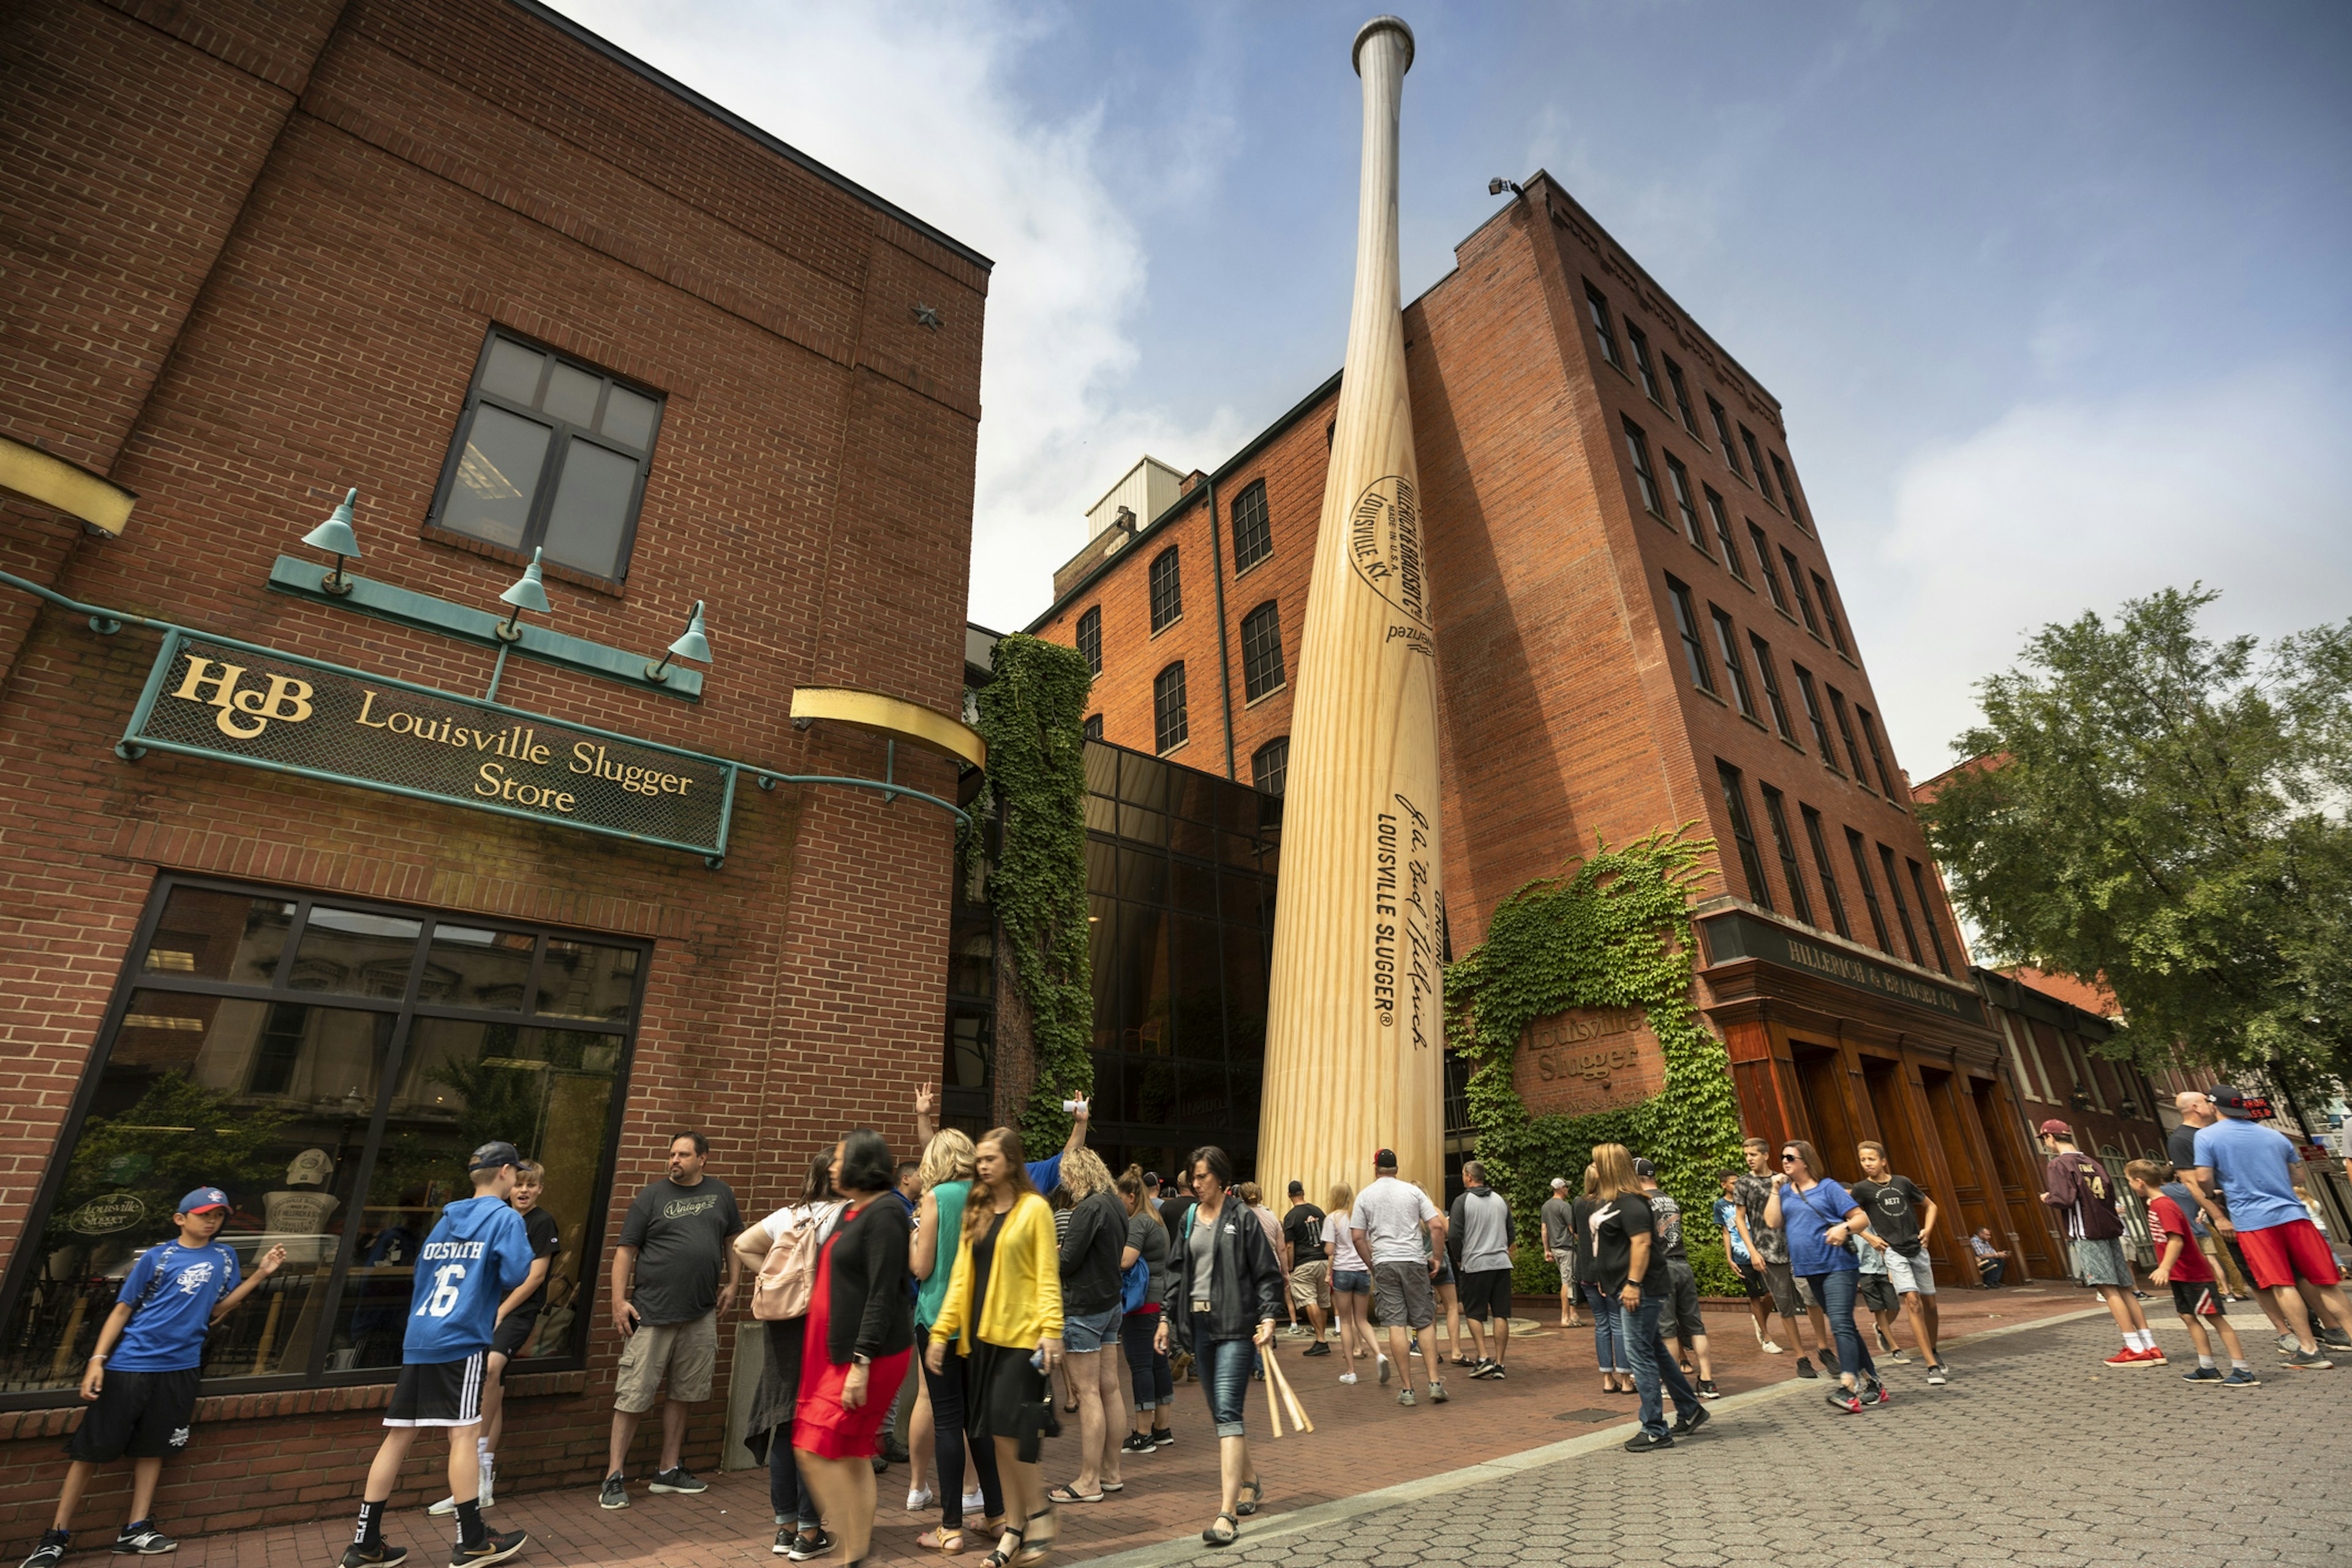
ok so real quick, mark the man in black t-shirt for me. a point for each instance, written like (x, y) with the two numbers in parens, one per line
(1310, 1271)
(1901, 1216)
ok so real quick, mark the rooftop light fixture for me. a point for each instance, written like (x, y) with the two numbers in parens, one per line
(529, 593)
(1498, 186)
(335, 537)
(691, 644)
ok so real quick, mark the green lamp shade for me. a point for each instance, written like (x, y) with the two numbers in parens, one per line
(530, 591)
(335, 536)
(691, 643)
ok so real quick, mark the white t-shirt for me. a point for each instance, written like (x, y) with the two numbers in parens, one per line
(1390, 1213)
(1343, 1246)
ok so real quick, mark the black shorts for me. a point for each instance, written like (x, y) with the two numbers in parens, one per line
(515, 1332)
(139, 1416)
(2198, 1298)
(438, 1394)
(1484, 1293)
(1878, 1293)
(1752, 1278)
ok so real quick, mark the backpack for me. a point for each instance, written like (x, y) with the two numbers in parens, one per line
(786, 1282)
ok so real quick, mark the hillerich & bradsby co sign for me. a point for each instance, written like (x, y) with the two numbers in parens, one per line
(290, 714)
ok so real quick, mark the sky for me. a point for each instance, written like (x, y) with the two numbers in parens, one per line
(2054, 296)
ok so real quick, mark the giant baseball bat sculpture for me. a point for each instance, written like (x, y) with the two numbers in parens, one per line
(1355, 1026)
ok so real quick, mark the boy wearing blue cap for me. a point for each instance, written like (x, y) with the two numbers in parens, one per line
(479, 1252)
(142, 1378)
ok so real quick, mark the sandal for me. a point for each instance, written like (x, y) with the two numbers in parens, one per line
(1000, 1558)
(1223, 1533)
(1114, 1485)
(1256, 1490)
(1037, 1551)
(941, 1539)
(1066, 1492)
(1463, 1361)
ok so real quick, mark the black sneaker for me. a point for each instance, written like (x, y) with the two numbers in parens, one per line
(680, 1480)
(614, 1493)
(784, 1533)
(144, 1539)
(894, 1450)
(1875, 1392)
(1643, 1443)
(1493, 1371)
(1805, 1367)
(492, 1547)
(1320, 1347)
(1830, 1361)
(51, 1550)
(1707, 1390)
(1686, 1425)
(808, 1545)
(381, 1555)
(1161, 1437)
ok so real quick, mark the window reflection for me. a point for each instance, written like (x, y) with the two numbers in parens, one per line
(582, 980)
(352, 953)
(211, 935)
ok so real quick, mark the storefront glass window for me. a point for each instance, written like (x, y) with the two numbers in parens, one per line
(334, 1096)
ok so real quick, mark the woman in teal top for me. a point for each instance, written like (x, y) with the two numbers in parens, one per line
(949, 1163)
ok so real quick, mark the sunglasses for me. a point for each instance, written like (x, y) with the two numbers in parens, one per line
(1790, 1159)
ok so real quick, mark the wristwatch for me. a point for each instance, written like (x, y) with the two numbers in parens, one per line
(860, 1358)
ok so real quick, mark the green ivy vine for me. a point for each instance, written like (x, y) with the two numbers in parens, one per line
(1612, 931)
(1032, 713)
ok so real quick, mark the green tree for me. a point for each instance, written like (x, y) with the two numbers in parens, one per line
(2167, 812)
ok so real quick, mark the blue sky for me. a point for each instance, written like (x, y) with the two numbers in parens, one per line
(2054, 296)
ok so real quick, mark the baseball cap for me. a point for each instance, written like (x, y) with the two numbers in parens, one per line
(491, 1155)
(202, 1201)
(1384, 1159)
(2229, 1103)
(1643, 1168)
(1560, 1181)
(1298, 1186)
(2054, 1127)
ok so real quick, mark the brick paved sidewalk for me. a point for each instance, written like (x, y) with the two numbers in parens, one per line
(1363, 1441)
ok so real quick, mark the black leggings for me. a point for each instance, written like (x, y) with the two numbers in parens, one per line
(948, 1445)
(1147, 1364)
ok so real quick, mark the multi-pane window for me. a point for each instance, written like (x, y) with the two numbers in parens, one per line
(1635, 336)
(1253, 528)
(1780, 471)
(1877, 755)
(1829, 613)
(1902, 906)
(1094, 727)
(1166, 591)
(1814, 714)
(1927, 915)
(330, 1063)
(1726, 643)
(1722, 422)
(1764, 564)
(1682, 397)
(549, 455)
(1262, 651)
(1869, 889)
(1751, 863)
(1756, 463)
(1819, 841)
(1169, 728)
(1090, 639)
(1268, 763)
(1770, 681)
(1776, 812)
(1845, 733)
(1678, 478)
(1687, 622)
(1722, 521)
(1797, 586)
(1644, 475)
(1602, 327)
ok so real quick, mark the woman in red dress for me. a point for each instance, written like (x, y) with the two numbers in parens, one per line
(861, 1336)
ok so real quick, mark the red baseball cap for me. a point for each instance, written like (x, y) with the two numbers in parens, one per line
(2056, 1129)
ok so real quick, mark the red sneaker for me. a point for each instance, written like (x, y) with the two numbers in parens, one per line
(2124, 1357)
(2152, 1357)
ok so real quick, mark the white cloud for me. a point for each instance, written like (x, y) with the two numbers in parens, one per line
(916, 103)
(2061, 507)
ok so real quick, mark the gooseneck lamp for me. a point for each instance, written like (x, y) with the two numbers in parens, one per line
(529, 593)
(335, 537)
(691, 644)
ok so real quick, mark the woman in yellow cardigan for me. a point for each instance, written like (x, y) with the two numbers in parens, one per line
(1003, 1308)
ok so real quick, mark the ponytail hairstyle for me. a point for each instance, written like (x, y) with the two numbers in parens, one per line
(1131, 1189)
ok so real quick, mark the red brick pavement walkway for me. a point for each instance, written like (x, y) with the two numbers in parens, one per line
(1363, 1440)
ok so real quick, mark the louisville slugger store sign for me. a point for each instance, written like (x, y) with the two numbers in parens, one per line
(275, 711)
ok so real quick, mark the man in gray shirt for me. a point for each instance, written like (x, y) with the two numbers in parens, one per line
(1481, 1218)
(1560, 1246)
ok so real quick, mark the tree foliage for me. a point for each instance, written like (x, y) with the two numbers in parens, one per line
(2166, 812)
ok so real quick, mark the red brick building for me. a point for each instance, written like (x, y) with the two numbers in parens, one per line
(525, 294)
(1638, 627)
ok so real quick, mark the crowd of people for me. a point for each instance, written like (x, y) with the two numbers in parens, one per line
(980, 1297)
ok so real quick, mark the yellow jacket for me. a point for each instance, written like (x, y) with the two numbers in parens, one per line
(1025, 1282)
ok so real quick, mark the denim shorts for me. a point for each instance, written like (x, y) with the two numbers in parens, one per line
(1349, 1282)
(1083, 1334)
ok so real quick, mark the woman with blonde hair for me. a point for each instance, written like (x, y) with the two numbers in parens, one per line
(1629, 1264)
(1004, 1305)
(1352, 1281)
(946, 1177)
(1090, 1251)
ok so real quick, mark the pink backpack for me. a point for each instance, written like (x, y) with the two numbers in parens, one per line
(786, 1282)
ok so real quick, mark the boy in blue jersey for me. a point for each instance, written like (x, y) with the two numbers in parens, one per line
(142, 1378)
(479, 1252)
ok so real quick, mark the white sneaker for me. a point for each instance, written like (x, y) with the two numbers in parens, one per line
(1771, 1349)
(920, 1498)
(444, 1509)
(973, 1501)
(1344, 1377)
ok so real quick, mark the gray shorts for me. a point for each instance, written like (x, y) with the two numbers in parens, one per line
(1568, 1272)
(1781, 1281)
(1681, 1320)
(1402, 1295)
(2099, 1262)
(1916, 1272)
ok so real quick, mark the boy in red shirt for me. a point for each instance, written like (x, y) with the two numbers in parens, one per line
(2196, 1293)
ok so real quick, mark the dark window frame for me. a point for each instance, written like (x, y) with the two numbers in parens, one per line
(1253, 525)
(1756, 461)
(1166, 587)
(1814, 716)
(1846, 733)
(1642, 367)
(1686, 623)
(1271, 760)
(1262, 643)
(1763, 546)
(1743, 832)
(1827, 870)
(1682, 397)
(1087, 637)
(1597, 305)
(1878, 757)
(1797, 586)
(1859, 850)
(1645, 476)
(1722, 417)
(1727, 642)
(1770, 680)
(1678, 478)
(1902, 906)
(1776, 814)
(1829, 613)
(1928, 914)
(1169, 712)
(1789, 489)
(1093, 727)
(1721, 517)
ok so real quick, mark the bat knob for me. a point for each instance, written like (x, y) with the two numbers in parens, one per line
(1381, 25)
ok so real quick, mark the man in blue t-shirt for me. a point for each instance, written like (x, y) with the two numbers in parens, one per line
(2258, 1170)
(141, 1377)
(478, 1253)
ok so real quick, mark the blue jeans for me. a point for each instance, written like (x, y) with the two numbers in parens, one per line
(1653, 1364)
(792, 1502)
(1836, 1291)
(1147, 1364)
(1606, 1349)
(1224, 1369)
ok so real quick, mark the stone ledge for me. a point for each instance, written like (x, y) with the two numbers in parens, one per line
(57, 1421)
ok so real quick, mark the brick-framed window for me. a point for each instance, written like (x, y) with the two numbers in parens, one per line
(1855, 847)
(1726, 643)
(1813, 715)
(1262, 651)
(1751, 863)
(1270, 764)
(1686, 623)
(1686, 508)
(1819, 840)
(1682, 397)
(1764, 564)
(1089, 638)
(1776, 813)
(1797, 586)
(1770, 679)
(1722, 521)
(1722, 421)
(1602, 328)
(1829, 613)
(1166, 591)
(1902, 905)
(1877, 754)
(1253, 528)
(1093, 730)
(1846, 733)
(1928, 914)
(549, 453)
(1645, 476)
(1649, 377)
(1756, 463)
(1796, 513)
(329, 1063)
(1170, 728)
